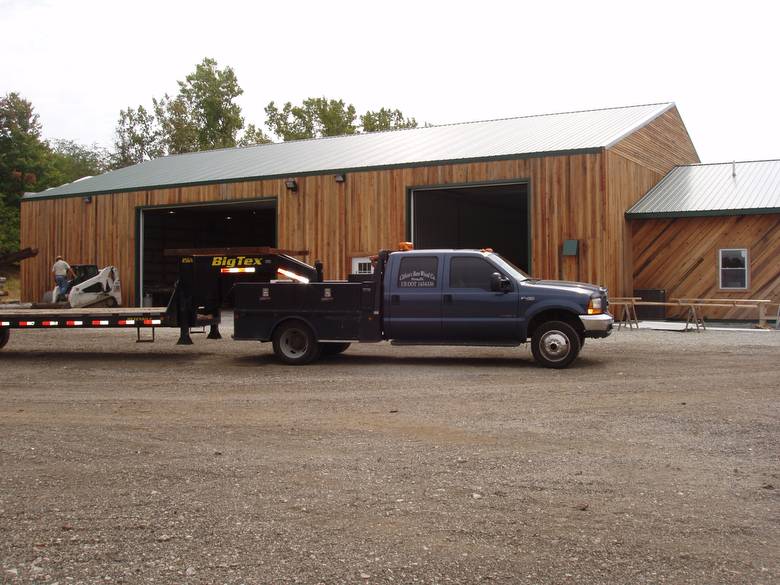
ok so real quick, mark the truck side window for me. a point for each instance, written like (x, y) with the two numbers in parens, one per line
(471, 272)
(418, 272)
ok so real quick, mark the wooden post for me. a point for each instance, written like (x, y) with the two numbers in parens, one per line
(762, 315)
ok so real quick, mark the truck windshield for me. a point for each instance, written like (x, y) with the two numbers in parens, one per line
(509, 267)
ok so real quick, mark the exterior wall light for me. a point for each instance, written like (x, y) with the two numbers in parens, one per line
(341, 177)
(291, 184)
(88, 199)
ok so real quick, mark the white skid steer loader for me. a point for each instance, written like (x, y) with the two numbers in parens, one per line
(90, 288)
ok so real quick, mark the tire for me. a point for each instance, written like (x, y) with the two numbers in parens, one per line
(555, 344)
(329, 349)
(295, 344)
(5, 334)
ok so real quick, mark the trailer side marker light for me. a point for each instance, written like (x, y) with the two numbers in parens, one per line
(292, 275)
(26, 323)
(74, 323)
(152, 321)
(100, 322)
(50, 323)
(237, 270)
(5, 324)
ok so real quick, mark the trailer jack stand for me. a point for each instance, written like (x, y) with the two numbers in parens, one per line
(214, 332)
(184, 336)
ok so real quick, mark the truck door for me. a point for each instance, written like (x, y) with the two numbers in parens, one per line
(413, 301)
(471, 311)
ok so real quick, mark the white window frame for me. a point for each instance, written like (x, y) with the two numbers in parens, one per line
(357, 261)
(746, 269)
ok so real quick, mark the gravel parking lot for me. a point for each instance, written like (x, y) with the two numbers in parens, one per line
(654, 459)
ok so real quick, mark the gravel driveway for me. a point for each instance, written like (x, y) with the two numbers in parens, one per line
(653, 460)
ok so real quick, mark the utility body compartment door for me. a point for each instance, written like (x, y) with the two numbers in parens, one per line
(471, 311)
(412, 307)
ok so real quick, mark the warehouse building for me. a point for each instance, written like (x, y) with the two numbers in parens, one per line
(549, 192)
(711, 231)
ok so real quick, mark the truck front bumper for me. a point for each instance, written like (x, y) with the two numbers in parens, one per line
(597, 325)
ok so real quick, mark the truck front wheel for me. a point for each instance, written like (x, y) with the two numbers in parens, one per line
(555, 344)
(5, 333)
(294, 343)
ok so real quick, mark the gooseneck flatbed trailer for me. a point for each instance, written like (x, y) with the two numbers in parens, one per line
(196, 300)
(412, 297)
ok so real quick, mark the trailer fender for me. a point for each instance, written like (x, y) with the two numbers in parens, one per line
(5, 334)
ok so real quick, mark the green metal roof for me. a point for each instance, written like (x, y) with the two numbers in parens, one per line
(489, 140)
(738, 188)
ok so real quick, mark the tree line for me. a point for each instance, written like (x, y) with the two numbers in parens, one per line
(203, 115)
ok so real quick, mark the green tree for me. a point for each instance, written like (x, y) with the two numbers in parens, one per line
(253, 135)
(385, 119)
(24, 156)
(138, 137)
(9, 228)
(71, 161)
(314, 118)
(204, 114)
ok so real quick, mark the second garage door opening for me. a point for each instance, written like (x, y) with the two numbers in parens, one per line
(478, 216)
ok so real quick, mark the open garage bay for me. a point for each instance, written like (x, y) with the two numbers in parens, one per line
(654, 459)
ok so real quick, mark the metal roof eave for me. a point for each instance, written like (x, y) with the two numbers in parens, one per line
(701, 213)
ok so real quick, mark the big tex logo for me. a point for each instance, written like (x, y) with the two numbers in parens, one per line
(234, 262)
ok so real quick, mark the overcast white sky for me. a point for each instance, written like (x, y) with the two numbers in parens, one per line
(80, 61)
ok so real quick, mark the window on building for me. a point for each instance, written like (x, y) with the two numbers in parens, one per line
(733, 266)
(362, 266)
(471, 272)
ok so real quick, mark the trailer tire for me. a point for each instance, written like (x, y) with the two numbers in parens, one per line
(5, 333)
(555, 344)
(295, 343)
(330, 348)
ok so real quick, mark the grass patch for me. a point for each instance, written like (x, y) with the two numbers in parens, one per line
(13, 285)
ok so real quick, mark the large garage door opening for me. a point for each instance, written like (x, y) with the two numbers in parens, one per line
(223, 225)
(474, 216)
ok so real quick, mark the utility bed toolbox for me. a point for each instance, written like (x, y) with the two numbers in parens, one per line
(336, 310)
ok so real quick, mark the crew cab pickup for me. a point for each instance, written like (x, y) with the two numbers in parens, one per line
(423, 297)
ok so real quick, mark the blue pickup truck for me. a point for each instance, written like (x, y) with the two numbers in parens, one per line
(423, 297)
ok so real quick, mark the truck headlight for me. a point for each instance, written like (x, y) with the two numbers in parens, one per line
(595, 306)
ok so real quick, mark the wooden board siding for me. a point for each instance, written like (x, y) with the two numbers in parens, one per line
(337, 221)
(660, 145)
(681, 256)
(635, 165)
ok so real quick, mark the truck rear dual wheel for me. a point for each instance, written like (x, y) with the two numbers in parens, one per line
(295, 344)
(5, 333)
(555, 344)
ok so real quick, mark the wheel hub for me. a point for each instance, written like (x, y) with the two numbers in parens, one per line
(555, 346)
(294, 343)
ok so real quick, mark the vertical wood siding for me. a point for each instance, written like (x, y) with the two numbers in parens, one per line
(681, 256)
(337, 221)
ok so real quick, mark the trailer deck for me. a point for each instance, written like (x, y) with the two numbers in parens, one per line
(83, 318)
